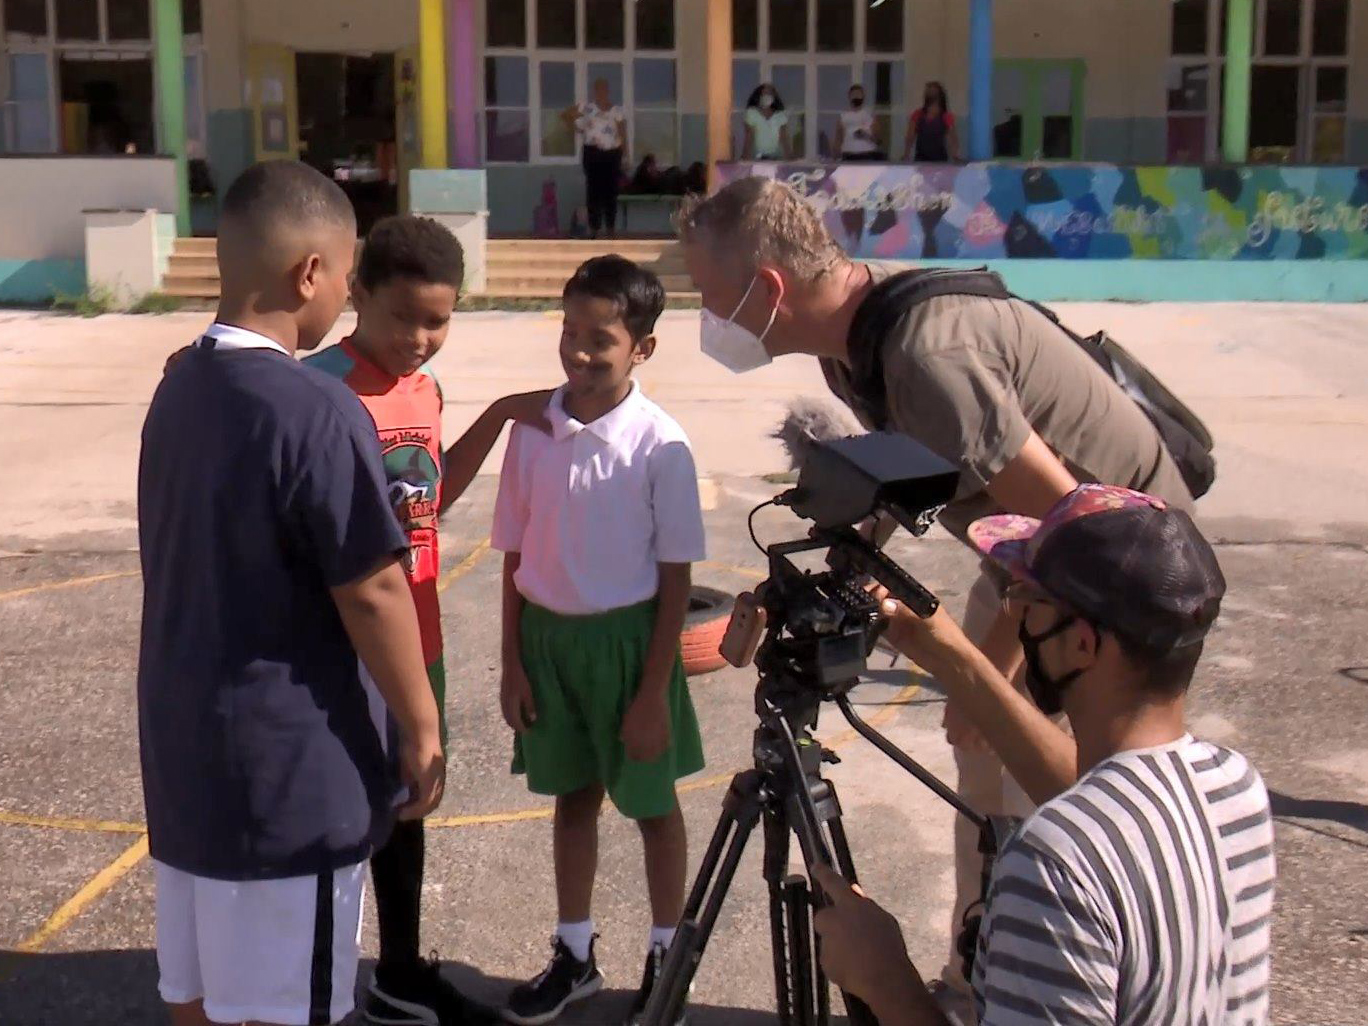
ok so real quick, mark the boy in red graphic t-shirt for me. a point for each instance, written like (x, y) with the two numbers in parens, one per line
(406, 287)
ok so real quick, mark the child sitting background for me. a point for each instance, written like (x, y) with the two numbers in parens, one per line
(407, 284)
(600, 522)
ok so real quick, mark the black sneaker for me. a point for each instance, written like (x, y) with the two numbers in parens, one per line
(421, 996)
(655, 961)
(564, 981)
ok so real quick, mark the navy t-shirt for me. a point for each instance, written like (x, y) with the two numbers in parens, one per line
(260, 486)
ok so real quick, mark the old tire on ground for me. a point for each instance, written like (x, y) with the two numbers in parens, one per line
(704, 625)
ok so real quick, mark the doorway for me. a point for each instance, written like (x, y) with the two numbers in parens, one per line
(106, 105)
(348, 127)
(1038, 109)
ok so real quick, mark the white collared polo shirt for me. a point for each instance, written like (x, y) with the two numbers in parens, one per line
(594, 508)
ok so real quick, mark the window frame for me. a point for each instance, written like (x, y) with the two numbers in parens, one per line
(581, 57)
(55, 48)
(859, 59)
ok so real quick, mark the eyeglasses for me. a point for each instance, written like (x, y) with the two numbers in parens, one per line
(1019, 596)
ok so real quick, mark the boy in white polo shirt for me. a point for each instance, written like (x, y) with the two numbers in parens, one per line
(599, 522)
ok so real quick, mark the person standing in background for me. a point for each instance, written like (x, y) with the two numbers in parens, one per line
(931, 134)
(857, 134)
(603, 127)
(767, 134)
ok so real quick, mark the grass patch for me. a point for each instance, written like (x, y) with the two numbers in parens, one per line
(156, 303)
(94, 301)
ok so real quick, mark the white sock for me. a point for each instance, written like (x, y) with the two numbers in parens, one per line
(577, 937)
(662, 935)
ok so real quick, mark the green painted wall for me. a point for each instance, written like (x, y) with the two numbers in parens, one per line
(38, 281)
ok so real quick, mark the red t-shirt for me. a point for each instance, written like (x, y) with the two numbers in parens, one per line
(919, 113)
(408, 415)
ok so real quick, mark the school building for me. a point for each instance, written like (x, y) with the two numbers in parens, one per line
(121, 106)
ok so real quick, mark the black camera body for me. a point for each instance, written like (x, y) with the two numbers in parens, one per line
(821, 627)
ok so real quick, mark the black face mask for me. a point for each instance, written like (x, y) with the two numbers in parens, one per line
(857, 102)
(1047, 692)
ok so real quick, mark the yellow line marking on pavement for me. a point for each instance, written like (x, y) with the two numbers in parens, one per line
(77, 903)
(463, 567)
(94, 826)
(71, 582)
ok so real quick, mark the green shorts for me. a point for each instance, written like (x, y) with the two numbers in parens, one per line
(585, 671)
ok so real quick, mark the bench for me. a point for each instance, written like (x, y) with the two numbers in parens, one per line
(628, 200)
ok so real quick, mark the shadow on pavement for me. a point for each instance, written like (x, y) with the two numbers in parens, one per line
(119, 988)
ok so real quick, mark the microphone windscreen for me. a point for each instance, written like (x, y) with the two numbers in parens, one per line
(813, 420)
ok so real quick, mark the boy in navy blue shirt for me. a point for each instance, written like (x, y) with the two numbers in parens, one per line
(277, 626)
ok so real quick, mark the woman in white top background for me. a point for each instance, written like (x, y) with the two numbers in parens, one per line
(857, 133)
(767, 134)
(603, 128)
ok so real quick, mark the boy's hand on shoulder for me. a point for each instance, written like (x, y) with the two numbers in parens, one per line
(515, 697)
(174, 358)
(528, 408)
(645, 732)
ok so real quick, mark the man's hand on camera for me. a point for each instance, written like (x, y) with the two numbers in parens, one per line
(934, 643)
(423, 769)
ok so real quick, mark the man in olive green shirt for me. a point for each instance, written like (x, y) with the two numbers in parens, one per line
(991, 385)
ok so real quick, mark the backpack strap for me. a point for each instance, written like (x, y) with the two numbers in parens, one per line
(861, 385)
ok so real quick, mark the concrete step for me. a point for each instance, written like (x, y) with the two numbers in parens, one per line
(193, 265)
(191, 286)
(562, 266)
(195, 246)
(554, 283)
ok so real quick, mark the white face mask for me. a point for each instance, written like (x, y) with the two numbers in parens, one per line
(734, 347)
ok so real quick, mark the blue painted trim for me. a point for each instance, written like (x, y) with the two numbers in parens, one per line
(38, 281)
(981, 80)
(1181, 281)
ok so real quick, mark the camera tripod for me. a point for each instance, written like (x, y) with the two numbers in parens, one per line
(787, 796)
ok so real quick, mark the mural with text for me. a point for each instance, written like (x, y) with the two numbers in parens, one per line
(1084, 211)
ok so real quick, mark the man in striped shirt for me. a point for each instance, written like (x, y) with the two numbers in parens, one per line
(1141, 890)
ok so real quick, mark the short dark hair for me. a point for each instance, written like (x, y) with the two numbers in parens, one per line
(416, 248)
(286, 192)
(637, 292)
(1167, 672)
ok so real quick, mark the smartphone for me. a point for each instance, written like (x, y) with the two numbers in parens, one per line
(744, 630)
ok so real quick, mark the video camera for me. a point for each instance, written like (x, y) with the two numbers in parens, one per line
(818, 629)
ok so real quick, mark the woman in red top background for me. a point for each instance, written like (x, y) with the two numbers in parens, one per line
(931, 134)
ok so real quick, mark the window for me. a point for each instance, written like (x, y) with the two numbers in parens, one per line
(1328, 117)
(129, 19)
(529, 88)
(1330, 28)
(81, 81)
(1190, 26)
(26, 17)
(813, 51)
(506, 24)
(603, 27)
(555, 23)
(1036, 108)
(788, 24)
(835, 26)
(28, 127)
(78, 19)
(1281, 24)
(507, 117)
(655, 28)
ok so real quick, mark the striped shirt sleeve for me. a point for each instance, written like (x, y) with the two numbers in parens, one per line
(1047, 950)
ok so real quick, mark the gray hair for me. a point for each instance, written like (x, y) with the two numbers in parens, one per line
(757, 221)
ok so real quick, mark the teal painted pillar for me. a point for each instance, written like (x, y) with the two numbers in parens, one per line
(1235, 103)
(168, 72)
(981, 80)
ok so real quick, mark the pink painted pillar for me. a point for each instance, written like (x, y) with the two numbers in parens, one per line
(463, 82)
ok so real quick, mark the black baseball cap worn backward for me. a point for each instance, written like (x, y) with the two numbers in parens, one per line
(1143, 572)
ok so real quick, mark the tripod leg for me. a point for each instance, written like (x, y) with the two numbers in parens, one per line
(840, 850)
(776, 871)
(740, 812)
(798, 904)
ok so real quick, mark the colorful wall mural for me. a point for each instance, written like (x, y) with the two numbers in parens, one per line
(1084, 211)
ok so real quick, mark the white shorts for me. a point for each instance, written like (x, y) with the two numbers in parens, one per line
(273, 951)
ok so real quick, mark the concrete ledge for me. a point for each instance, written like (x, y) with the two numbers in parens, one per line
(39, 281)
(1288, 281)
